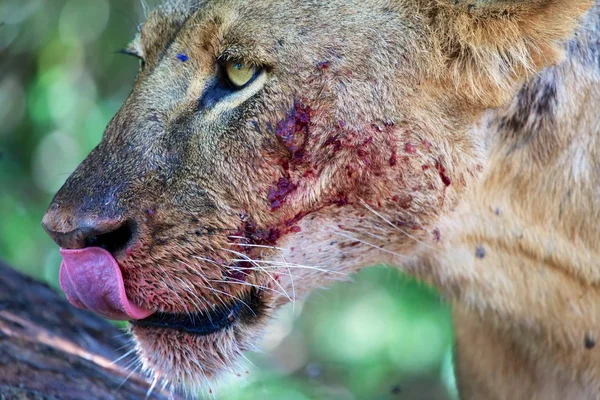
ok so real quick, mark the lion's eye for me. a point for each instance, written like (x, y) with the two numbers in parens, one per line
(240, 74)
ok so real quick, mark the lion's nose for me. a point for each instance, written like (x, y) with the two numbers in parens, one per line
(78, 233)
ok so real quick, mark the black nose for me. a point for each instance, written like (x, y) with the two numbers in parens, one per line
(113, 236)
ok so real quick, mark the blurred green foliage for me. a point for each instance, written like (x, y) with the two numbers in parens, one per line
(61, 80)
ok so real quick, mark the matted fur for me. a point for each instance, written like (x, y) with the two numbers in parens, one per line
(382, 131)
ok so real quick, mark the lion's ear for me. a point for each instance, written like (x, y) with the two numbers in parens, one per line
(492, 45)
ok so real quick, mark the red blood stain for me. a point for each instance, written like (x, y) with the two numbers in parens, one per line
(323, 65)
(393, 159)
(285, 164)
(277, 195)
(406, 201)
(238, 275)
(342, 201)
(442, 171)
(293, 130)
(425, 167)
(295, 229)
(251, 234)
(334, 141)
(363, 149)
(409, 148)
(310, 173)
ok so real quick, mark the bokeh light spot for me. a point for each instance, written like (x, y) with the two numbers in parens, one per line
(83, 20)
(55, 158)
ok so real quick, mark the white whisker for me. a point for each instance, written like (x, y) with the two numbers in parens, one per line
(369, 244)
(298, 266)
(256, 245)
(229, 295)
(394, 225)
(293, 285)
(153, 385)
(266, 272)
(133, 371)
(122, 357)
(249, 284)
(207, 260)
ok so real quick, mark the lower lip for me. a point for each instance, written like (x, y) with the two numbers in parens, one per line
(202, 324)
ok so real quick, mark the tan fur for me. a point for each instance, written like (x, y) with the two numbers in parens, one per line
(410, 144)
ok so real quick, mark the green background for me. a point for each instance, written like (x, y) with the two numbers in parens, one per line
(61, 80)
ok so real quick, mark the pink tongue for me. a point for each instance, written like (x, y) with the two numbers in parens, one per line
(91, 279)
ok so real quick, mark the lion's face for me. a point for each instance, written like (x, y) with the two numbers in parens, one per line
(267, 148)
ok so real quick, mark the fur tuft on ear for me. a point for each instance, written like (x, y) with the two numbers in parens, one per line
(490, 46)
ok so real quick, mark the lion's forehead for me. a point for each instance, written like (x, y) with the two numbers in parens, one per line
(269, 31)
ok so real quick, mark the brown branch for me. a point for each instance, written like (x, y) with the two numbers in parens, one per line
(51, 350)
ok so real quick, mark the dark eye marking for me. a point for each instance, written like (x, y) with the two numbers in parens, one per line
(221, 87)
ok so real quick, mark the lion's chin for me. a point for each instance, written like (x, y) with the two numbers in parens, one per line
(192, 351)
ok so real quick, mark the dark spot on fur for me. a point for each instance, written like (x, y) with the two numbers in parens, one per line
(533, 115)
(437, 235)
(182, 57)
(497, 211)
(546, 99)
(480, 252)
(589, 342)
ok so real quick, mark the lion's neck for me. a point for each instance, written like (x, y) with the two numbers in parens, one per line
(519, 256)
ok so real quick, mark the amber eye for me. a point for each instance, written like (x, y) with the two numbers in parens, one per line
(240, 74)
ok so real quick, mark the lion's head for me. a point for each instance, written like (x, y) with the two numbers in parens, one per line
(270, 147)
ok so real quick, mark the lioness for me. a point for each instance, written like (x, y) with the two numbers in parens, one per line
(456, 140)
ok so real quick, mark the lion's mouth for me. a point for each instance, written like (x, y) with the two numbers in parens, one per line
(91, 279)
(243, 310)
